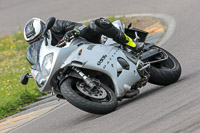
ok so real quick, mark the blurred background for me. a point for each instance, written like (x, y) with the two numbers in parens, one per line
(14, 14)
(173, 108)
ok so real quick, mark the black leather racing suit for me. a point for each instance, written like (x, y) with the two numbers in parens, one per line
(92, 32)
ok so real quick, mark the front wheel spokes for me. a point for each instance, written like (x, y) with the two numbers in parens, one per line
(99, 93)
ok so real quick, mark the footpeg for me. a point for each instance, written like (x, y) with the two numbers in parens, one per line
(139, 46)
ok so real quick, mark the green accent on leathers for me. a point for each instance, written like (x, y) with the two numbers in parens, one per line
(77, 31)
(130, 41)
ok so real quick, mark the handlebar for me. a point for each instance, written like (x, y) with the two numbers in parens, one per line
(63, 42)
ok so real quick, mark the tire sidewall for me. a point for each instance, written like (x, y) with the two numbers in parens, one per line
(84, 104)
(165, 76)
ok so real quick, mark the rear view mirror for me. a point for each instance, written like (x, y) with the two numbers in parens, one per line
(24, 79)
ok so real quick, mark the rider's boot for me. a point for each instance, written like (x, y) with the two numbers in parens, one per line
(134, 46)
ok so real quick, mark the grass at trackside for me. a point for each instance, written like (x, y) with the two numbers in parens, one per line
(13, 64)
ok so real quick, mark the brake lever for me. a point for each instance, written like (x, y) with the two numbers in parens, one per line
(62, 43)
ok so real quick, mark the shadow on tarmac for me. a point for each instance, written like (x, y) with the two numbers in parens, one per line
(88, 116)
(151, 91)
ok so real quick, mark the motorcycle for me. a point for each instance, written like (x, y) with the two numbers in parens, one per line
(94, 77)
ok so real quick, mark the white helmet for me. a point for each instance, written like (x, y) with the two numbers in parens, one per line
(33, 30)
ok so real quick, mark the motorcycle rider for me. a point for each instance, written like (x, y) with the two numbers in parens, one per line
(63, 29)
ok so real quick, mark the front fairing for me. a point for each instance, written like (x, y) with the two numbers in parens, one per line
(35, 59)
(33, 54)
(38, 54)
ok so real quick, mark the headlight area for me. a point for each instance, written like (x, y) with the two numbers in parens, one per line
(41, 77)
(47, 64)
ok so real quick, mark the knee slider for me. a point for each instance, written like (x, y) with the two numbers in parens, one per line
(103, 23)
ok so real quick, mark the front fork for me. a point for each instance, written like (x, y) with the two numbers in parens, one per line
(88, 81)
(85, 78)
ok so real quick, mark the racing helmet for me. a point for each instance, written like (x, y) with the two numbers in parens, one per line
(33, 30)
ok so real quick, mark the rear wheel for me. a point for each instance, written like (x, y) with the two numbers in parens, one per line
(100, 100)
(165, 72)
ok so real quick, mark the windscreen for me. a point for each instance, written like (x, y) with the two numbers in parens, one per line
(33, 54)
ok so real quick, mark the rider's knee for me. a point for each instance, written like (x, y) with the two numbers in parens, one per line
(103, 23)
(100, 25)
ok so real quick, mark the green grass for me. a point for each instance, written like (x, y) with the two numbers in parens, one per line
(13, 64)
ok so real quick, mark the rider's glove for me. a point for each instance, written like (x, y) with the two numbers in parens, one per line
(71, 34)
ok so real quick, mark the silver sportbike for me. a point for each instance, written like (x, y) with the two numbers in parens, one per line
(94, 77)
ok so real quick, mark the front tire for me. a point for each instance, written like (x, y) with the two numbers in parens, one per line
(77, 98)
(166, 72)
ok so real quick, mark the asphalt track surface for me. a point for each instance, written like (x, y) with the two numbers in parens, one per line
(170, 109)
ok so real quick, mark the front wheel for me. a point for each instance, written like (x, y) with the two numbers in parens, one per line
(100, 100)
(165, 72)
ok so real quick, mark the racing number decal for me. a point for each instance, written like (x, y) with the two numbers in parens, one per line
(101, 60)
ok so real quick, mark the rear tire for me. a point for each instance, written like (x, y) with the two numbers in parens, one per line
(83, 102)
(166, 72)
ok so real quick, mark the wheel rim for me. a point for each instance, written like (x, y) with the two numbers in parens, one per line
(99, 93)
(104, 98)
